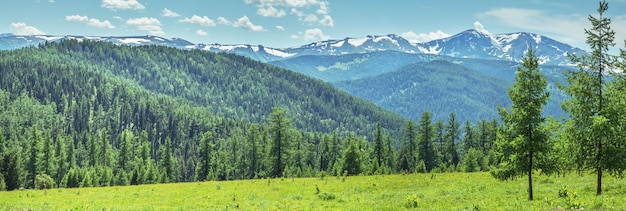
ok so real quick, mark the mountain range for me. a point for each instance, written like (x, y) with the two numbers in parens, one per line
(378, 68)
(467, 44)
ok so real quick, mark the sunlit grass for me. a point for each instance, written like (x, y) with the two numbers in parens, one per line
(450, 191)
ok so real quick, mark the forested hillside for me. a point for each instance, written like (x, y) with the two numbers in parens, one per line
(438, 86)
(79, 114)
(138, 114)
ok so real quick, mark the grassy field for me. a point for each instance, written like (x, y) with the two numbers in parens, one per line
(450, 191)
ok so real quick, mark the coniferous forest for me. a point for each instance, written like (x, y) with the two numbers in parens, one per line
(96, 114)
(90, 113)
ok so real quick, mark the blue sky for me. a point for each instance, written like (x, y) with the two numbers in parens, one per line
(287, 23)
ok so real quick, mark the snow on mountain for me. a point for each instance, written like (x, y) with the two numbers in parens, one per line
(467, 44)
(509, 47)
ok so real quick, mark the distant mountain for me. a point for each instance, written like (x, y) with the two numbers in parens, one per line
(11, 41)
(508, 47)
(438, 86)
(442, 87)
(467, 44)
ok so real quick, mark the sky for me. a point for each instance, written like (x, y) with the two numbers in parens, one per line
(289, 23)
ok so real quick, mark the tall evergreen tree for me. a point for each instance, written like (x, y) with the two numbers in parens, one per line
(379, 148)
(440, 141)
(352, 157)
(279, 132)
(426, 149)
(205, 157)
(125, 153)
(589, 127)
(407, 156)
(167, 161)
(469, 137)
(451, 137)
(10, 168)
(524, 143)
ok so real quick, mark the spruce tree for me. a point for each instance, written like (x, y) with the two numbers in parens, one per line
(426, 149)
(279, 132)
(523, 143)
(590, 128)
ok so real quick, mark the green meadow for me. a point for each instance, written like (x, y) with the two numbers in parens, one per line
(448, 191)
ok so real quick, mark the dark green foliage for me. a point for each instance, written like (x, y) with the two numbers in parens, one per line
(439, 87)
(451, 138)
(43, 181)
(426, 148)
(524, 142)
(279, 141)
(9, 169)
(407, 155)
(352, 157)
(593, 127)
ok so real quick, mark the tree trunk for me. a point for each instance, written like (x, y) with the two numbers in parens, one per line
(530, 177)
(599, 169)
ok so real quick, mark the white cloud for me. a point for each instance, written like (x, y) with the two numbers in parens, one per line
(122, 5)
(90, 21)
(311, 18)
(297, 12)
(202, 21)
(315, 35)
(76, 18)
(223, 21)
(271, 12)
(168, 13)
(280, 28)
(23, 29)
(306, 10)
(570, 27)
(151, 25)
(327, 21)
(201, 33)
(100, 24)
(244, 22)
(413, 37)
(479, 27)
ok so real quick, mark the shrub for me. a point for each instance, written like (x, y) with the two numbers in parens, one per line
(411, 201)
(563, 192)
(326, 196)
(43, 181)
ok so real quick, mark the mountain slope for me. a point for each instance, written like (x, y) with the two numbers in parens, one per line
(438, 86)
(231, 86)
(507, 47)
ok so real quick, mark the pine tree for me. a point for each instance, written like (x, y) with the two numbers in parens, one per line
(167, 161)
(204, 164)
(125, 151)
(379, 149)
(451, 138)
(10, 169)
(426, 149)
(279, 128)
(469, 137)
(351, 157)
(440, 142)
(524, 143)
(589, 127)
(407, 156)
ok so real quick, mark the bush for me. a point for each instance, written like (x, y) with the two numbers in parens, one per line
(43, 181)
(326, 196)
(411, 201)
